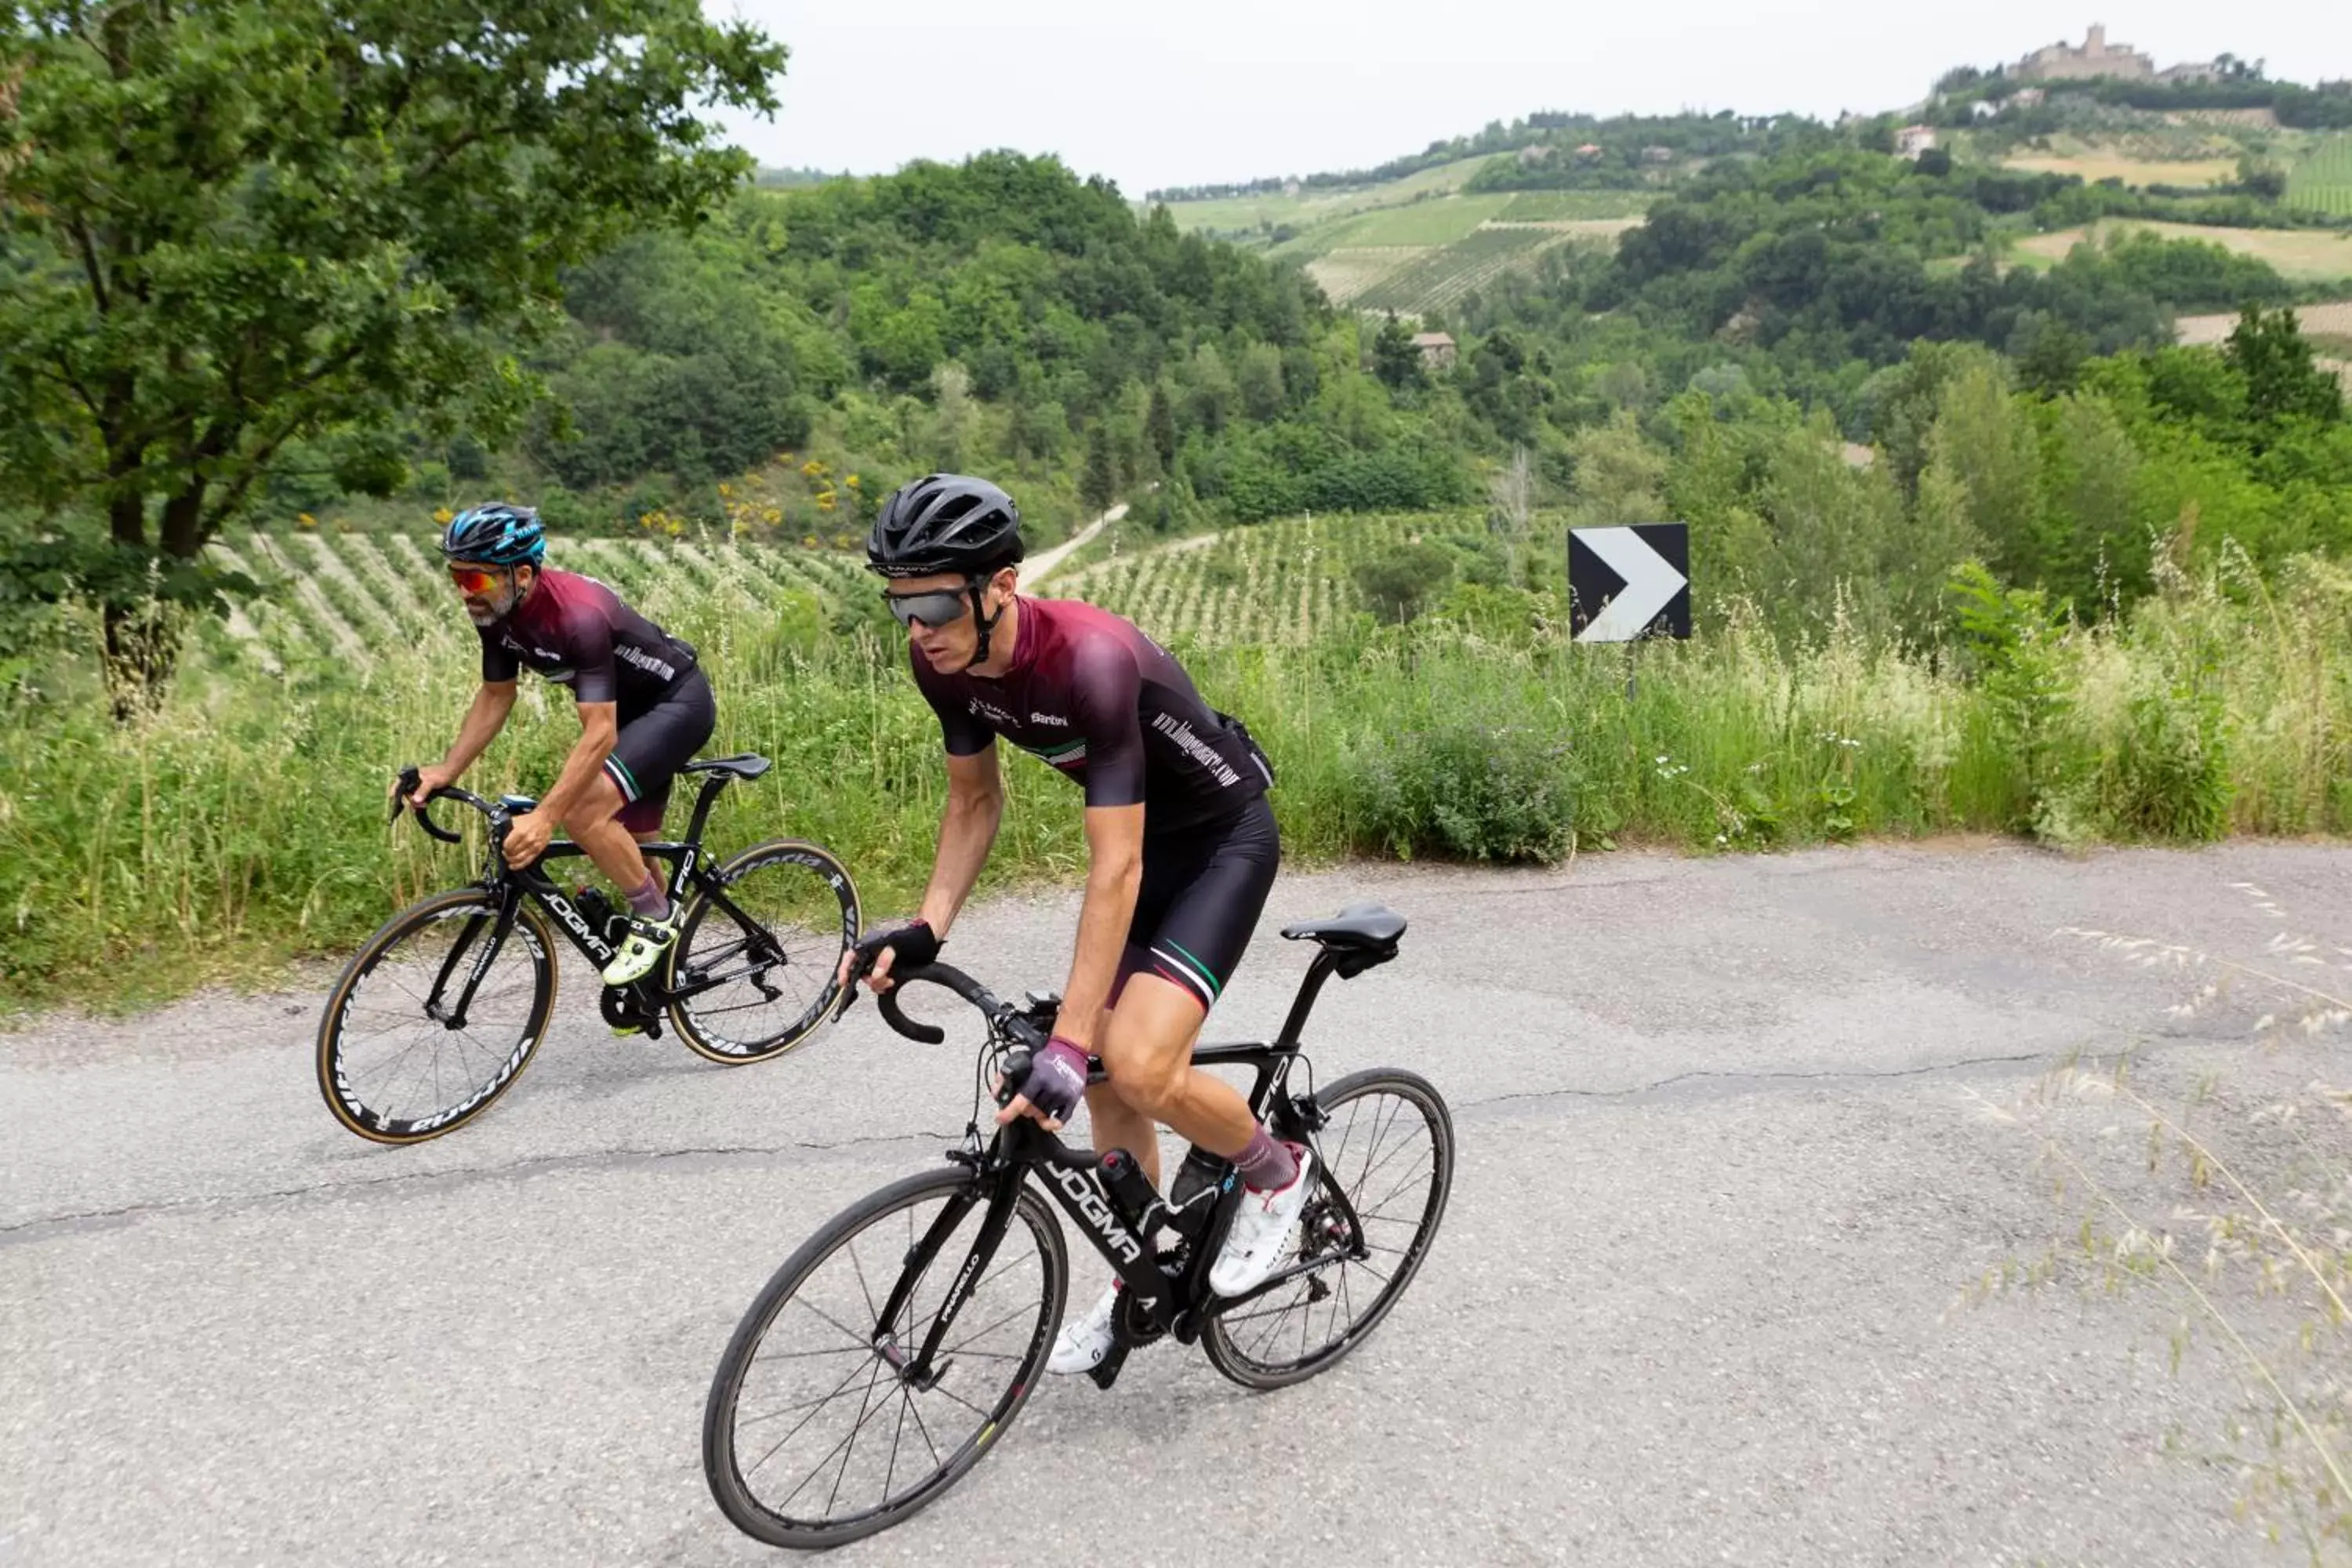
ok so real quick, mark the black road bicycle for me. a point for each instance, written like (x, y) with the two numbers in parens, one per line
(885, 1357)
(439, 1012)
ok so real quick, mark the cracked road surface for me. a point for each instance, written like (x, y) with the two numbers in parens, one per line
(1724, 1166)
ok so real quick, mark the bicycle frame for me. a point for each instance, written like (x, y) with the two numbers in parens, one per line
(1178, 1303)
(511, 887)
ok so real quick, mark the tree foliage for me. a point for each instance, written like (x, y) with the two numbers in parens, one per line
(235, 228)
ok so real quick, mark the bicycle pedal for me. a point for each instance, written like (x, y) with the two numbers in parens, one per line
(1107, 1373)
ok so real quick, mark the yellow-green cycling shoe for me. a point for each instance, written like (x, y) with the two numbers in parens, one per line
(647, 944)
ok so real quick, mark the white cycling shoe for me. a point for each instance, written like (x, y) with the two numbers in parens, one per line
(1261, 1231)
(1086, 1341)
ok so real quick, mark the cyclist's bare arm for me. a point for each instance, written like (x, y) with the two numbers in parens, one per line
(484, 720)
(599, 725)
(967, 833)
(1114, 875)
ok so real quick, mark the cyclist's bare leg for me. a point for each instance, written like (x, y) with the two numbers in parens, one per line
(1146, 1046)
(612, 846)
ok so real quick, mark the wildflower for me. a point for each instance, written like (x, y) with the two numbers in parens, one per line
(304, 519)
(442, 515)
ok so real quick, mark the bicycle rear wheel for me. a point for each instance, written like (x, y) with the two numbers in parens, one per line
(1387, 1145)
(393, 1072)
(764, 960)
(811, 1437)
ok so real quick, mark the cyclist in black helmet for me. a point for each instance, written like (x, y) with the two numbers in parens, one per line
(645, 710)
(1181, 842)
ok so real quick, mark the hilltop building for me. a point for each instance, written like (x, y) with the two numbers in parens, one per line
(1436, 349)
(2062, 61)
(2095, 56)
(1914, 139)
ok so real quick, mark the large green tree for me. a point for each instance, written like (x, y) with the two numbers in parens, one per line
(234, 230)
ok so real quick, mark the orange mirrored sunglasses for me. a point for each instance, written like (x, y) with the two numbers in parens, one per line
(473, 579)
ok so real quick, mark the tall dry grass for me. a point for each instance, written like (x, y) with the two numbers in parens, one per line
(242, 821)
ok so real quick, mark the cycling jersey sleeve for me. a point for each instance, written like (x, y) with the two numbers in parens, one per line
(498, 661)
(588, 640)
(1106, 691)
(965, 735)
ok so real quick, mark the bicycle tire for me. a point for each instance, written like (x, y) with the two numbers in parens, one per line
(722, 1465)
(695, 1026)
(1236, 1343)
(338, 1072)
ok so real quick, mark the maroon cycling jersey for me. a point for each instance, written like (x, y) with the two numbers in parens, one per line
(576, 631)
(1109, 707)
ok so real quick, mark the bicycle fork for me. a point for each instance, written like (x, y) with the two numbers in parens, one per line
(455, 1018)
(924, 1370)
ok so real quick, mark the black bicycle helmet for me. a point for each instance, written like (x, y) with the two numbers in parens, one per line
(944, 523)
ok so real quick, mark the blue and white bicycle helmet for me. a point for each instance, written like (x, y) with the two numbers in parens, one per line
(496, 535)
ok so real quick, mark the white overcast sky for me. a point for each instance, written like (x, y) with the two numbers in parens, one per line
(1197, 91)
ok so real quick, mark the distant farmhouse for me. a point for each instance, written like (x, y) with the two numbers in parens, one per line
(2097, 58)
(1436, 349)
(1913, 140)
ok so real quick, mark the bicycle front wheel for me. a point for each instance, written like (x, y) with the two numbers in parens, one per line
(756, 957)
(811, 1436)
(397, 1062)
(1388, 1144)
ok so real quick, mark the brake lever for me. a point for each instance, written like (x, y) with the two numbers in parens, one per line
(1012, 1072)
(410, 777)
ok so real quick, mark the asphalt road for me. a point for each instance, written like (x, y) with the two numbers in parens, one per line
(1730, 1150)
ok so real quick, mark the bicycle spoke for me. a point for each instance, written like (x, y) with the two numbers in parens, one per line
(1379, 1137)
(795, 1355)
(1024, 1307)
(960, 1399)
(737, 1007)
(804, 1420)
(771, 1415)
(921, 1426)
(871, 1310)
(1416, 1177)
(850, 1451)
(818, 1468)
(864, 1340)
(896, 1432)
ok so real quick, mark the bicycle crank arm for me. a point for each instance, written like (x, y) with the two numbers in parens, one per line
(1106, 1373)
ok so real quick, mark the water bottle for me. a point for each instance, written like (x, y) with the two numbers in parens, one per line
(596, 910)
(1130, 1190)
(1199, 1181)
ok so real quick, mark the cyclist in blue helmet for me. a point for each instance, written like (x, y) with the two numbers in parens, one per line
(644, 709)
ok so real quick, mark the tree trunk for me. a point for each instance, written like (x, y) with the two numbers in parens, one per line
(142, 641)
(143, 628)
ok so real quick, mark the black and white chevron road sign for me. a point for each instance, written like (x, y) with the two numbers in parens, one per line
(1631, 581)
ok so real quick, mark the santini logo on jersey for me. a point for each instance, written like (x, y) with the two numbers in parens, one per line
(1197, 749)
(1053, 719)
